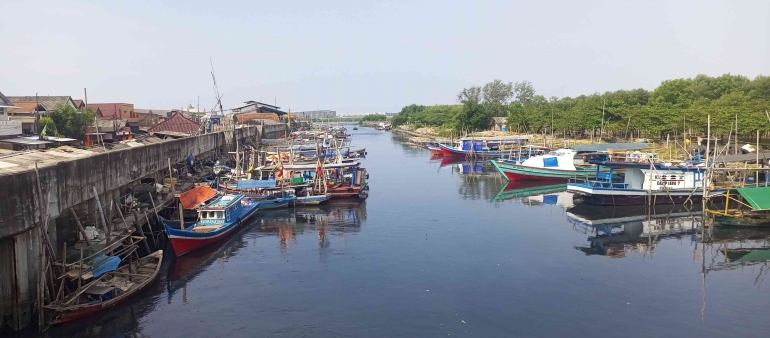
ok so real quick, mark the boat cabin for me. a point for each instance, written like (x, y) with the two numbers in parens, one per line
(224, 209)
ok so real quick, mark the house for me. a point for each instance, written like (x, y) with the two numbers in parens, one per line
(50, 102)
(80, 105)
(120, 111)
(108, 130)
(146, 118)
(499, 123)
(8, 127)
(266, 111)
(177, 123)
(27, 113)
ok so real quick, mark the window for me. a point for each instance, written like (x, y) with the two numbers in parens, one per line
(220, 214)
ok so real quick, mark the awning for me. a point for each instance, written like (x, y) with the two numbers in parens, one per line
(195, 196)
(24, 141)
(256, 184)
(605, 146)
(758, 197)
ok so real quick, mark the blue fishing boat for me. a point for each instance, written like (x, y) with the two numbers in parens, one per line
(216, 220)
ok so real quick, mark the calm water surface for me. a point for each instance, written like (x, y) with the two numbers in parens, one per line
(447, 249)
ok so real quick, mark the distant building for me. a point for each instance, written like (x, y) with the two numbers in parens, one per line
(316, 114)
(50, 102)
(8, 128)
(120, 111)
(27, 113)
(499, 123)
(258, 107)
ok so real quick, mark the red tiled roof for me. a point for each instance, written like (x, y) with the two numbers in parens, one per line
(26, 107)
(109, 109)
(78, 103)
(178, 123)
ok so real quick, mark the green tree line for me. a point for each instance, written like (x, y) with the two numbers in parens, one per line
(374, 118)
(672, 106)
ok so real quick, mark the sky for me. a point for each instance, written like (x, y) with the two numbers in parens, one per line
(367, 56)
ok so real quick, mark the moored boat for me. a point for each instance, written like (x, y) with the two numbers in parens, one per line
(313, 199)
(215, 221)
(110, 289)
(557, 165)
(644, 183)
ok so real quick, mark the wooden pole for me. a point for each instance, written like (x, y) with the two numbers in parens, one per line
(707, 172)
(181, 215)
(756, 179)
(138, 226)
(80, 227)
(736, 135)
(101, 214)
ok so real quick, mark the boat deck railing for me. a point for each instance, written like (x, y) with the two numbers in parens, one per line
(593, 184)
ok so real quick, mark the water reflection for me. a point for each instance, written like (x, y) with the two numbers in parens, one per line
(615, 232)
(535, 193)
(339, 217)
(737, 248)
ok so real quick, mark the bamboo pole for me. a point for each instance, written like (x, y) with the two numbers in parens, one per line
(80, 227)
(101, 213)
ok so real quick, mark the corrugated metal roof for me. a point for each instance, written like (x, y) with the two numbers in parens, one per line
(605, 146)
(24, 141)
(177, 123)
(50, 102)
(748, 158)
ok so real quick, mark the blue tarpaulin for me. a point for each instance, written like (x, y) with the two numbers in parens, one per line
(478, 145)
(550, 162)
(466, 145)
(256, 184)
(103, 264)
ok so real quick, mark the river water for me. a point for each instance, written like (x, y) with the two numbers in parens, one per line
(448, 249)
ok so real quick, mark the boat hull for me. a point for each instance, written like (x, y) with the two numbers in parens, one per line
(620, 197)
(313, 200)
(434, 150)
(183, 241)
(517, 172)
(347, 191)
(275, 203)
(452, 152)
(85, 311)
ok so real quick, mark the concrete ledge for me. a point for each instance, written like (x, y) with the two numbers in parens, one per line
(70, 181)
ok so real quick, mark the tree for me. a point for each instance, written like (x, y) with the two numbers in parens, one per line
(47, 124)
(524, 92)
(497, 91)
(70, 122)
(374, 117)
(472, 94)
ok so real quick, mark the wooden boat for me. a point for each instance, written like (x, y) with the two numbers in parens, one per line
(561, 164)
(557, 165)
(215, 221)
(312, 199)
(481, 149)
(434, 148)
(110, 289)
(276, 202)
(643, 183)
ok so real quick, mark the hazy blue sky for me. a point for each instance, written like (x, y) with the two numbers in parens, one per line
(361, 56)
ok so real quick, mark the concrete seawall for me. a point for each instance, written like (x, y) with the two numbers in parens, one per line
(69, 183)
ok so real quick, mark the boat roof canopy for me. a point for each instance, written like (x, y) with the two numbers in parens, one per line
(605, 146)
(758, 197)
